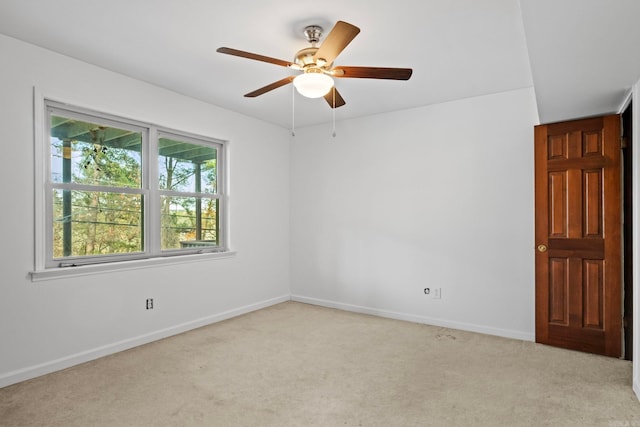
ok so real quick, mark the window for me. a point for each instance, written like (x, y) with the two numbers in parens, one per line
(118, 190)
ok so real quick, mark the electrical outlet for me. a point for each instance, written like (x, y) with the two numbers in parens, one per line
(149, 303)
(437, 293)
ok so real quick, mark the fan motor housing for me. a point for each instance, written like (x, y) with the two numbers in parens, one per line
(305, 58)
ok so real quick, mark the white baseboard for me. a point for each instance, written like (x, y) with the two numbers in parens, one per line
(506, 333)
(636, 388)
(30, 372)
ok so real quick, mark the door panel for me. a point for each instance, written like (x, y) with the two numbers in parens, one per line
(578, 224)
(558, 204)
(592, 293)
(559, 291)
(593, 203)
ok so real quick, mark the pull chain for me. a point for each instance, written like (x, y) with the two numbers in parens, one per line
(334, 111)
(293, 111)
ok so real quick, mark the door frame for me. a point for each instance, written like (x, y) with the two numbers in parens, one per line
(628, 189)
(635, 94)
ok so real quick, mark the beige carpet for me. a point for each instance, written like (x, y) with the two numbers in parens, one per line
(299, 365)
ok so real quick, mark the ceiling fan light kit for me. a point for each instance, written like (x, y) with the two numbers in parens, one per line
(313, 84)
(316, 64)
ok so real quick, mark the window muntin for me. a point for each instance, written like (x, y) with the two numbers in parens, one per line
(103, 203)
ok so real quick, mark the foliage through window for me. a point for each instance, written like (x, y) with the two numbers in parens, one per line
(188, 184)
(120, 189)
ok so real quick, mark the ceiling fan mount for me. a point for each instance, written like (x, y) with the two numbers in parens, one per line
(313, 33)
(316, 63)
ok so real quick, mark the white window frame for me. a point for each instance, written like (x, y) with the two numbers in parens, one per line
(47, 268)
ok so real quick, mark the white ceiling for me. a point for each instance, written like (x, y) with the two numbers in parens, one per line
(581, 56)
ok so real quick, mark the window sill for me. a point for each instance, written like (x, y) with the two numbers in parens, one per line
(58, 273)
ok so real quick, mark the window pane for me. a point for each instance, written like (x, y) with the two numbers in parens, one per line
(189, 222)
(96, 223)
(188, 167)
(94, 154)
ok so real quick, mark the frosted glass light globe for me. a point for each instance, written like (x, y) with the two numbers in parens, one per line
(313, 84)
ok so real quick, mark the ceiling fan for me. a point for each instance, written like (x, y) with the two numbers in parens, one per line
(316, 64)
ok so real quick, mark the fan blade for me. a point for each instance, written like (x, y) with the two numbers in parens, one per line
(329, 97)
(372, 73)
(254, 56)
(270, 87)
(335, 42)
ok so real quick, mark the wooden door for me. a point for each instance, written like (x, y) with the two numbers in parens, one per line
(578, 235)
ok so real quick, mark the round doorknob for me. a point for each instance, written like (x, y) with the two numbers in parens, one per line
(542, 248)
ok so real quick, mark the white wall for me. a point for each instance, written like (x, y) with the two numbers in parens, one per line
(439, 196)
(53, 324)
